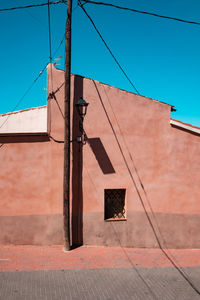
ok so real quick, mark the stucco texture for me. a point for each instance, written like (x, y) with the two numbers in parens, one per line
(130, 145)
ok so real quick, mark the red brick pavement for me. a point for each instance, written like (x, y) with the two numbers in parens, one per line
(24, 258)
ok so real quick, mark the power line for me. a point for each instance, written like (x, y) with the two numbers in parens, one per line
(55, 140)
(111, 53)
(60, 44)
(140, 195)
(31, 5)
(50, 52)
(31, 85)
(36, 19)
(62, 40)
(142, 12)
(49, 24)
(26, 92)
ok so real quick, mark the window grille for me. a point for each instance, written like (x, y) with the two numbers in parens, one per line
(114, 203)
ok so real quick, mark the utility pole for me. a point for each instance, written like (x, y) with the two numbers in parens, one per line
(66, 176)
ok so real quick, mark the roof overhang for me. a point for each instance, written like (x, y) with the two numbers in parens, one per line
(187, 127)
(25, 122)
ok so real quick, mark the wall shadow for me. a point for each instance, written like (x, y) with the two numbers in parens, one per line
(77, 169)
(101, 155)
(160, 243)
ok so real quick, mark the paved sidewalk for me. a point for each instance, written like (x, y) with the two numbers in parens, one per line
(28, 272)
(24, 258)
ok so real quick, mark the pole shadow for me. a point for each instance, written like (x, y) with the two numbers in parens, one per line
(77, 169)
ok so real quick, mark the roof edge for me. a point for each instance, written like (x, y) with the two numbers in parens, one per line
(185, 126)
(155, 100)
(22, 110)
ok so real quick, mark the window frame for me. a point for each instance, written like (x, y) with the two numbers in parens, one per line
(115, 219)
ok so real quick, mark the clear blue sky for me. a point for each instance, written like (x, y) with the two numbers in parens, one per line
(160, 56)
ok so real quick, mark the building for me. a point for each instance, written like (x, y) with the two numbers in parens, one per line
(134, 182)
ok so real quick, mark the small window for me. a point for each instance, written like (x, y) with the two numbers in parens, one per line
(114, 204)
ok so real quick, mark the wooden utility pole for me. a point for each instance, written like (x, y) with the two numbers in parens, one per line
(66, 177)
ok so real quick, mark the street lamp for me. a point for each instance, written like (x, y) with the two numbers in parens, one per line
(81, 107)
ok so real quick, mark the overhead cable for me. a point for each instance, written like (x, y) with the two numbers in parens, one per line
(111, 53)
(31, 5)
(60, 44)
(141, 12)
(30, 87)
(26, 92)
(49, 25)
(50, 52)
(181, 272)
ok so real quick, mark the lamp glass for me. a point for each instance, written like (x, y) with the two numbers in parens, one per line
(82, 107)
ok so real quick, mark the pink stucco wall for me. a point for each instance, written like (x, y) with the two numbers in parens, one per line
(157, 164)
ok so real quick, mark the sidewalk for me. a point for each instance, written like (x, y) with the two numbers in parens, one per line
(98, 273)
(24, 258)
